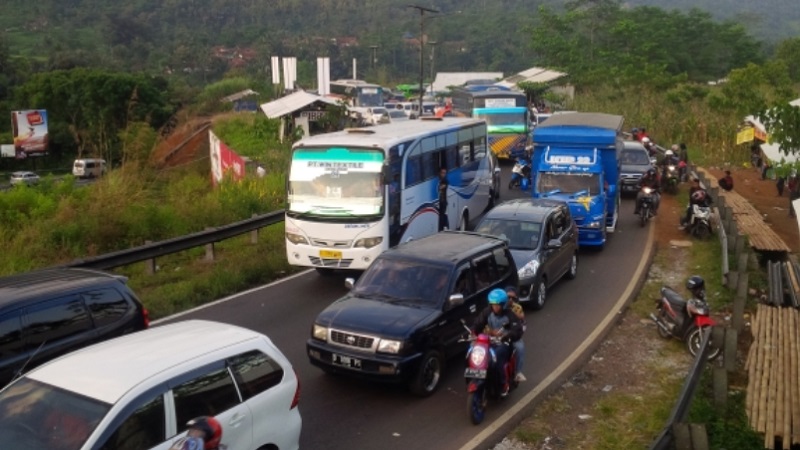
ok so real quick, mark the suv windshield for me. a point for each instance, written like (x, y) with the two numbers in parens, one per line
(520, 235)
(391, 280)
(635, 157)
(35, 416)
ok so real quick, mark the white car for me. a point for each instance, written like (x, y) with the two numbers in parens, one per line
(397, 115)
(139, 391)
(377, 115)
(24, 177)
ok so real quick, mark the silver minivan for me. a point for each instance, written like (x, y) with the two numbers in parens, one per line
(89, 168)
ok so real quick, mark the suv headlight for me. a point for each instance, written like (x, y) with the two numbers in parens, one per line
(528, 270)
(368, 242)
(389, 346)
(319, 332)
(296, 238)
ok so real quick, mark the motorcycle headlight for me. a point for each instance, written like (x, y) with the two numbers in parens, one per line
(647, 190)
(320, 332)
(389, 346)
(296, 238)
(477, 356)
(528, 270)
(671, 168)
(368, 242)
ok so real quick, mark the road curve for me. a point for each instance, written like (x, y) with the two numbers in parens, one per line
(341, 413)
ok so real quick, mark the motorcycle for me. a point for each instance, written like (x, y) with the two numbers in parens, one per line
(647, 205)
(684, 320)
(481, 378)
(671, 179)
(700, 226)
(520, 174)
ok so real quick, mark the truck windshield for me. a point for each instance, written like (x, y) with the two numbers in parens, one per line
(336, 182)
(392, 280)
(568, 182)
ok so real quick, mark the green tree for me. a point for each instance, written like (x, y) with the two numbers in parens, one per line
(783, 123)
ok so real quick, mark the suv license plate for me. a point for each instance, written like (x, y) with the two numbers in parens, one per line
(346, 361)
(475, 373)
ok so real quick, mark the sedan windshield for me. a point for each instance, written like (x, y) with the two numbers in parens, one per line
(403, 281)
(36, 416)
(520, 235)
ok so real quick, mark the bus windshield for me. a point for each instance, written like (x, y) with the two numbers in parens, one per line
(569, 182)
(340, 182)
(370, 96)
(503, 121)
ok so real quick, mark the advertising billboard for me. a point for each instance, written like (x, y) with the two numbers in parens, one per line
(224, 161)
(29, 128)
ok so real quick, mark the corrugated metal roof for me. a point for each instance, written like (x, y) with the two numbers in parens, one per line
(445, 79)
(532, 75)
(292, 102)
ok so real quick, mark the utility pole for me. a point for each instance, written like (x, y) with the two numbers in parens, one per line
(422, 10)
(433, 60)
(374, 55)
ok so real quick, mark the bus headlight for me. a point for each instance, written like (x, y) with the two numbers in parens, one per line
(389, 346)
(593, 225)
(368, 242)
(296, 238)
(320, 332)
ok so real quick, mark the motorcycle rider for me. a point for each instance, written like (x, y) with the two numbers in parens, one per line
(670, 159)
(519, 345)
(204, 433)
(498, 321)
(697, 196)
(649, 179)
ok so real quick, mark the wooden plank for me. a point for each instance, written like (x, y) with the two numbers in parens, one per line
(756, 367)
(774, 376)
(780, 400)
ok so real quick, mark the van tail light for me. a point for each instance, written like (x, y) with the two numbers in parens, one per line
(296, 399)
(146, 317)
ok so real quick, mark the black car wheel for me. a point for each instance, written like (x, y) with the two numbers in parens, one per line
(539, 295)
(427, 378)
(573, 267)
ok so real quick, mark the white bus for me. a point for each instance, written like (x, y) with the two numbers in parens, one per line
(358, 93)
(354, 193)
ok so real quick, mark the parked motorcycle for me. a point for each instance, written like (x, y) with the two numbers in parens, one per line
(481, 378)
(647, 205)
(521, 174)
(671, 179)
(700, 226)
(684, 320)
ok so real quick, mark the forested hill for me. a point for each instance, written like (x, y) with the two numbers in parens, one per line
(181, 34)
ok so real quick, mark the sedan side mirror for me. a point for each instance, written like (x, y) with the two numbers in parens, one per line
(349, 282)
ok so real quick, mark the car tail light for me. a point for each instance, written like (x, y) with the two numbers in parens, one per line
(296, 399)
(146, 317)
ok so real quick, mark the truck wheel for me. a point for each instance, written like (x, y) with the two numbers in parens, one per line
(427, 378)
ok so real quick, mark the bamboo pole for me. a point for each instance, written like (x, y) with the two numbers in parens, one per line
(795, 347)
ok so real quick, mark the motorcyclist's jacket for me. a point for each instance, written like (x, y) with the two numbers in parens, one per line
(506, 320)
(699, 196)
(649, 181)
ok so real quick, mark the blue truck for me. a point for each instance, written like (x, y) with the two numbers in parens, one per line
(576, 159)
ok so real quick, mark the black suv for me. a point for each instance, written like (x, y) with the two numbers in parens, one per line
(401, 321)
(634, 162)
(543, 239)
(48, 313)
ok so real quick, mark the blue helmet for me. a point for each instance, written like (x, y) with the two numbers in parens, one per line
(498, 297)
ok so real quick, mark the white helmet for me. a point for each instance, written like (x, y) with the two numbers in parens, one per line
(645, 140)
(668, 153)
(674, 147)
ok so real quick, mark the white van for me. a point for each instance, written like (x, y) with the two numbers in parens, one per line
(89, 168)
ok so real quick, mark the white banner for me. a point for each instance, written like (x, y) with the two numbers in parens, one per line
(7, 151)
(276, 70)
(323, 76)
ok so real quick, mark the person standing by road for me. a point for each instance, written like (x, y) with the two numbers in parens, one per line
(794, 191)
(442, 189)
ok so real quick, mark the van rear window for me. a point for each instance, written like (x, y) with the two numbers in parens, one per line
(106, 305)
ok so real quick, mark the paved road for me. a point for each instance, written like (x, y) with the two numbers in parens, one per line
(340, 413)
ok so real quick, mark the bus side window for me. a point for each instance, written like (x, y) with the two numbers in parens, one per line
(480, 149)
(430, 166)
(465, 153)
(452, 157)
(414, 170)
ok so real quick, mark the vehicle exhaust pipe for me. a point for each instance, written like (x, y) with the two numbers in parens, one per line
(659, 323)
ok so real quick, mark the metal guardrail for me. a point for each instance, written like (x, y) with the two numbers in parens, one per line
(178, 244)
(665, 439)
